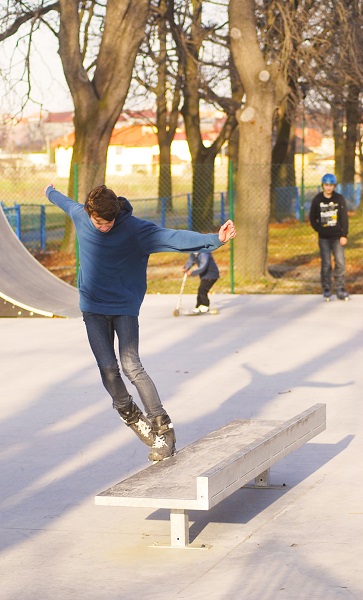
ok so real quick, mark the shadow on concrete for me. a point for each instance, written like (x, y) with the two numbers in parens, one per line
(247, 502)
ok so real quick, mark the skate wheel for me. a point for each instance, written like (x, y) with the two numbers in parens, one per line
(155, 462)
(176, 313)
(214, 311)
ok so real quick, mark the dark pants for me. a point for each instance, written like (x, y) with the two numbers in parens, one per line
(329, 247)
(204, 287)
(101, 330)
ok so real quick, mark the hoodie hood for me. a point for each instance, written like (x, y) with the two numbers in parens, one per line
(126, 210)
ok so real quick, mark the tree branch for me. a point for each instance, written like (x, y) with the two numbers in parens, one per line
(37, 13)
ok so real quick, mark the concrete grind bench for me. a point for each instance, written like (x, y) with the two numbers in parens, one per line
(209, 470)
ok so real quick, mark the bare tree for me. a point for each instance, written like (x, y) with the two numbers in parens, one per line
(158, 71)
(280, 49)
(168, 93)
(342, 84)
(327, 61)
(98, 42)
(189, 67)
(265, 87)
(204, 56)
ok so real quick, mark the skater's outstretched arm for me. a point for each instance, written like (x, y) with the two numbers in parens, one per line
(62, 201)
(227, 231)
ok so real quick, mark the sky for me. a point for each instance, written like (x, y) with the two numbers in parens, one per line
(49, 86)
(49, 89)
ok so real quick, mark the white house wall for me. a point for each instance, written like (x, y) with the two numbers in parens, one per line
(63, 157)
(120, 160)
(180, 149)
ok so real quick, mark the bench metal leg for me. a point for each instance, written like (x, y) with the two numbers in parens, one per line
(263, 480)
(179, 528)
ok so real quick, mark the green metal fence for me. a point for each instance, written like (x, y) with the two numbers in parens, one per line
(293, 258)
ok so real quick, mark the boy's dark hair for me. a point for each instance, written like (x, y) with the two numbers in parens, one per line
(104, 202)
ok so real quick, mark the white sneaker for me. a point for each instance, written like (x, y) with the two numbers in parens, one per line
(164, 442)
(203, 309)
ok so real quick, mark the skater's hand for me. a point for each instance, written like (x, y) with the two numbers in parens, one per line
(343, 241)
(227, 231)
(48, 186)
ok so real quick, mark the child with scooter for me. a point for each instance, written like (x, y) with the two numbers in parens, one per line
(208, 272)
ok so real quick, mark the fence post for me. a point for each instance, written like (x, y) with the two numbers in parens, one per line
(297, 204)
(75, 183)
(163, 212)
(18, 220)
(357, 194)
(231, 216)
(190, 218)
(43, 231)
(223, 213)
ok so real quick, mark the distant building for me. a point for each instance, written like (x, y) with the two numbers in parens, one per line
(317, 153)
(133, 149)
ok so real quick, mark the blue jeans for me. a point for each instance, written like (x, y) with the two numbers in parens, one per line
(101, 330)
(330, 247)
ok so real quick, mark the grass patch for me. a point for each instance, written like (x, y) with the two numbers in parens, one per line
(293, 264)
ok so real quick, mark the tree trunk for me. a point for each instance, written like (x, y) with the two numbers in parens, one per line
(166, 119)
(89, 158)
(203, 157)
(262, 85)
(203, 194)
(283, 154)
(338, 134)
(233, 141)
(203, 166)
(350, 145)
(253, 191)
(98, 102)
(165, 182)
(233, 159)
(283, 161)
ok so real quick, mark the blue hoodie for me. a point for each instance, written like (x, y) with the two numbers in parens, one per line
(206, 265)
(112, 274)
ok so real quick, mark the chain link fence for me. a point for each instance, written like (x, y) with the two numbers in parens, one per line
(293, 256)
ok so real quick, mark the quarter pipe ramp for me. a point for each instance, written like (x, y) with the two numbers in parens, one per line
(27, 289)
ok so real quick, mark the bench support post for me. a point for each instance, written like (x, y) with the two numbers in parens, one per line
(179, 528)
(263, 480)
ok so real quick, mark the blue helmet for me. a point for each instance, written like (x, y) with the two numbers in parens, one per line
(329, 178)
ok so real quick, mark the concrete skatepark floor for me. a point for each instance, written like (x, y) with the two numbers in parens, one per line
(264, 357)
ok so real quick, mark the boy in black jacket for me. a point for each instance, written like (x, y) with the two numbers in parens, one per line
(329, 218)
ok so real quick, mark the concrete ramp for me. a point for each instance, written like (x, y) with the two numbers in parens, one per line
(27, 289)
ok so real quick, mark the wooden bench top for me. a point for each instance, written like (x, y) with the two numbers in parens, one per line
(210, 469)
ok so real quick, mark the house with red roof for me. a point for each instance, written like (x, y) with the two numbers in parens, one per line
(133, 148)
